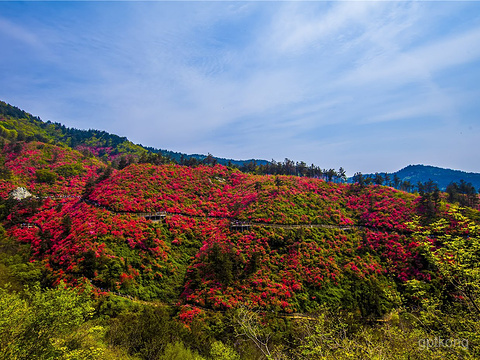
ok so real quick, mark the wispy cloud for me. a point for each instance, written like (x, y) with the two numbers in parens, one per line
(296, 30)
(19, 33)
(419, 64)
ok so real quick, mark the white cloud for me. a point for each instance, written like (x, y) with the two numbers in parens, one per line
(299, 27)
(19, 33)
(419, 64)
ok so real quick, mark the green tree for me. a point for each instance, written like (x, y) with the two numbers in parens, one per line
(396, 181)
(46, 176)
(147, 333)
(178, 351)
(69, 170)
(342, 174)
(40, 324)
(220, 351)
(359, 179)
(458, 258)
(378, 179)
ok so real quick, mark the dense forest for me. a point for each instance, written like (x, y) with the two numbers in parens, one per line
(128, 254)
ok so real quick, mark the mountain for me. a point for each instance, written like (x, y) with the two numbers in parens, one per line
(441, 176)
(423, 173)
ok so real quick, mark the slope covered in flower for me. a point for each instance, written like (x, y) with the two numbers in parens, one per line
(366, 250)
(46, 169)
(219, 191)
(84, 226)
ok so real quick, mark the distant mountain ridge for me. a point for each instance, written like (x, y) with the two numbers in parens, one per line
(441, 176)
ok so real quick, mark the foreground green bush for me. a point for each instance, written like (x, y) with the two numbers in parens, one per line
(45, 324)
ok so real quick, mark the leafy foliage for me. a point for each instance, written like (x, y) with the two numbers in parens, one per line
(41, 324)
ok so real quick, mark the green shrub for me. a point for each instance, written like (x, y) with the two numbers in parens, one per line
(220, 351)
(69, 170)
(41, 324)
(178, 351)
(46, 176)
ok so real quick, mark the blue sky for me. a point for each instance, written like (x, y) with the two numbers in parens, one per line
(369, 86)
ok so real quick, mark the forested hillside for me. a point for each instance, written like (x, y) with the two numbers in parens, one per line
(163, 261)
(16, 124)
(410, 176)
